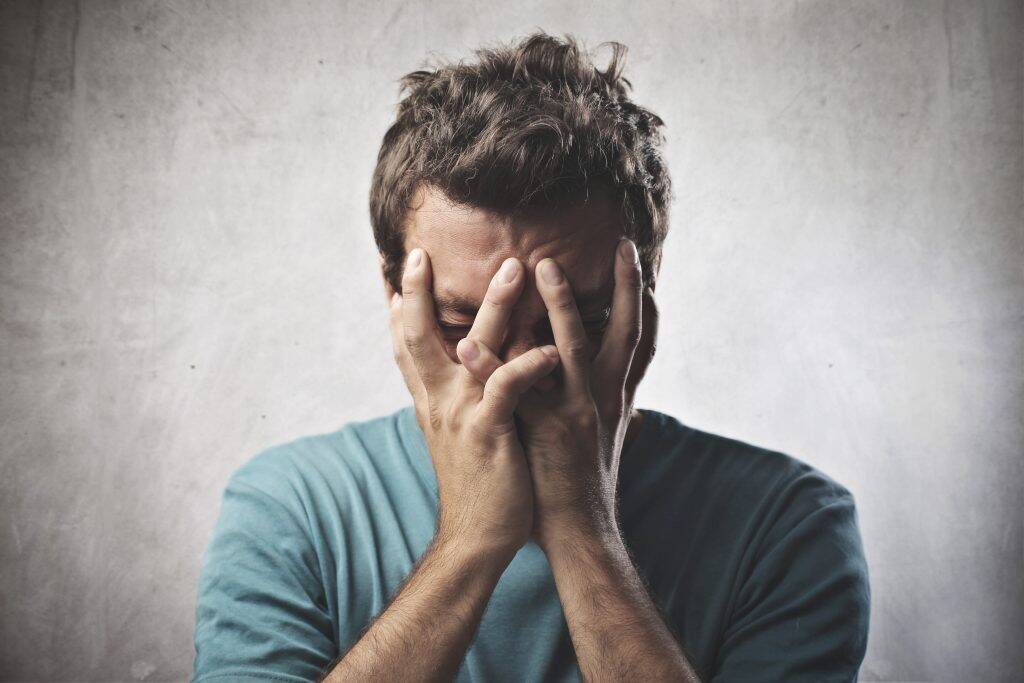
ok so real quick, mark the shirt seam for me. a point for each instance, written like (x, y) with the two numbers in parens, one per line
(305, 527)
(265, 676)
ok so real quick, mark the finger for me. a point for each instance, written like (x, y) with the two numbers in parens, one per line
(419, 323)
(502, 293)
(480, 362)
(566, 325)
(401, 353)
(624, 326)
(647, 347)
(508, 383)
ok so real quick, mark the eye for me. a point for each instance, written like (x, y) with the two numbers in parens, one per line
(453, 330)
(593, 323)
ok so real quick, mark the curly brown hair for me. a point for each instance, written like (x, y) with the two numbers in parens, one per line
(534, 125)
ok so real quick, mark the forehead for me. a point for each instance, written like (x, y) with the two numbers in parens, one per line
(468, 244)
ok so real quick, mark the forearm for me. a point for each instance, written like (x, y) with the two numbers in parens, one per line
(425, 631)
(616, 629)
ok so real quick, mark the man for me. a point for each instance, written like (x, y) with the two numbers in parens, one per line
(521, 521)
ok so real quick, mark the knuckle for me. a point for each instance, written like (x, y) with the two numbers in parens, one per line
(415, 338)
(435, 415)
(465, 399)
(410, 276)
(487, 403)
(575, 348)
(563, 434)
(488, 412)
(565, 304)
(533, 371)
(467, 375)
(453, 418)
(534, 362)
(531, 362)
(422, 415)
(585, 417)
(484, 429)
(409, 286)
(540, 361)
(503, 378)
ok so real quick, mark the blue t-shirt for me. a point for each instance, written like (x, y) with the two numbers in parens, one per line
(753, 557)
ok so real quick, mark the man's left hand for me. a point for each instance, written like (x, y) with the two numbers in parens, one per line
(573, 434)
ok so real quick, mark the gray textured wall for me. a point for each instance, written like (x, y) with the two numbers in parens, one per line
(187, 276)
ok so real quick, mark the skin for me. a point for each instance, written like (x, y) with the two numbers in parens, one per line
(526, 405)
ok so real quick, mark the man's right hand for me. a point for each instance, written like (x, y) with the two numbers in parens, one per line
(486, 496)
(484, 485)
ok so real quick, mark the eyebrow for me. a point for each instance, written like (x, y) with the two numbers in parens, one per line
(449, 302)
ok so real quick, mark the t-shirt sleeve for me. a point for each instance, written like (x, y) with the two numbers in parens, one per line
(261, 613)
(803, 610)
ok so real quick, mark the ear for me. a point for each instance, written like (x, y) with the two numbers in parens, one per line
(645, 350)
(656, 267)
(388, 291)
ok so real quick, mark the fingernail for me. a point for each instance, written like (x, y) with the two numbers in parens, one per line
(552, 273)
(507, 272)
(627, 252)
(414, 258)
(550, 351)
(467, 349)
(394, 299)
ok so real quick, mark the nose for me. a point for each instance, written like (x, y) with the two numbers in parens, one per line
(528, 326)
(524, 335)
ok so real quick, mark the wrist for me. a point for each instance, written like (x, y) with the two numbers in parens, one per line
(466, 550)
(571, 534)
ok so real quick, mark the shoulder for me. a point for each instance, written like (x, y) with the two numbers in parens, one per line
(743, 500)
(733, 469)
(784, 531)
(772, 503)
(304, 468)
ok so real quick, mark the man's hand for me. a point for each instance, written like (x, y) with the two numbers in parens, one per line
(573, 434)
(573, 437)
(486, 500)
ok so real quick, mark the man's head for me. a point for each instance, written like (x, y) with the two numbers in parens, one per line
(529, 151)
